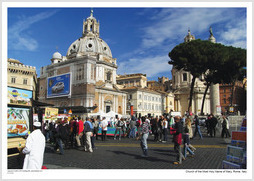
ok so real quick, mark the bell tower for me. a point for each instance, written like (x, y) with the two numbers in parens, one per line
(91, 26)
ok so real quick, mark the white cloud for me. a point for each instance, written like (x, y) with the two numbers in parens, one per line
(234, 35)
(18, 37)
(169, 26)
(151, 66)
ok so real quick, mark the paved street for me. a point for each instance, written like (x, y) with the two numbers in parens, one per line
(126, 154)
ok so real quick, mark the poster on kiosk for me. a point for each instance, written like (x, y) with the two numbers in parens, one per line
(17, 121)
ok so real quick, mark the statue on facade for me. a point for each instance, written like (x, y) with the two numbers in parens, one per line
(211, 31)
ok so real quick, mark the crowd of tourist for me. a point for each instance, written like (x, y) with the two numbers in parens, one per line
(81, 134)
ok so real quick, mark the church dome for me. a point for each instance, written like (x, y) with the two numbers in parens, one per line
(57, 55)
(89, 44)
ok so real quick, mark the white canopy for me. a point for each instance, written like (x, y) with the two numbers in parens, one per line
(100, 113)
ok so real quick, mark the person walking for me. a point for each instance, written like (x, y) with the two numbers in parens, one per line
(186, 138)
(118, 126)
(213, 122)
(46, 129)
(225, 127)
(95, 127)
(95, 124)
(124, 127)
(177, 139)
(197, 128)
(165, 129)
(88, 132)
(171, 121)
(80, 128)
(156, 129)
(138, 124)
(132, 126)
(160, 124)
(144, 136)
(34, 149)
(104, 129)
(59, 135)
(73, 132)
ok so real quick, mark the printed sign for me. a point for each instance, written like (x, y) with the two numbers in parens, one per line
(239, 135)
(235, 151)
(51, 114)
(59, 86)
(17, 96)
(218, 109)
(229, 165)
(17, 121)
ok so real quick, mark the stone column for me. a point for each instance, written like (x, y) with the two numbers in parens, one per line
(215, 98)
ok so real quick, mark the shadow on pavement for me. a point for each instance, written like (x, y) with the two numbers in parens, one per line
(149, 158)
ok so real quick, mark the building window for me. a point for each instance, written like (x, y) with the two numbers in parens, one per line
(225, 101)
(25, 81)
(184, 76)
(170, 103)
(224, 90)
(13, 80)
(140, 106)
(140, 96)
(80, 72)
(152, 98)
(130, 96)
(108, 75)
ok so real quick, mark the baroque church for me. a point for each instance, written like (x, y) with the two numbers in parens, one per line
(91, 70)
(181, 83)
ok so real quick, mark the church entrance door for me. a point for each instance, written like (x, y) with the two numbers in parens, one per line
(107, 109)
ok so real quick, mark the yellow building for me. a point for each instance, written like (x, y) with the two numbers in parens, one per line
(130, 80)
(146, 97)
(21, 76)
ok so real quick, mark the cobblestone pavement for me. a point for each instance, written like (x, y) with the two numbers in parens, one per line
(126, 154)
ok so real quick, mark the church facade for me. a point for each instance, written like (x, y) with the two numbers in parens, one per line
(85, 77)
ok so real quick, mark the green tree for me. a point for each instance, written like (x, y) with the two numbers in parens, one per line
(226, 65)
(191, 57)
(217, 56)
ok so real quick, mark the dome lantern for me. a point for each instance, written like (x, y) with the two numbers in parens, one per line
(91, 26)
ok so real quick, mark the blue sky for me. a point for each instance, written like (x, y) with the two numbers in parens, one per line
(140, 38)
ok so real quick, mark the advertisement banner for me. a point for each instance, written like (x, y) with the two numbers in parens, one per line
(17, 121)
(59, 86)
(51, 114)
(17, 96)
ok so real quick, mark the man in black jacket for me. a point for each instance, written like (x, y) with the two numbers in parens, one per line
(213, 122)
